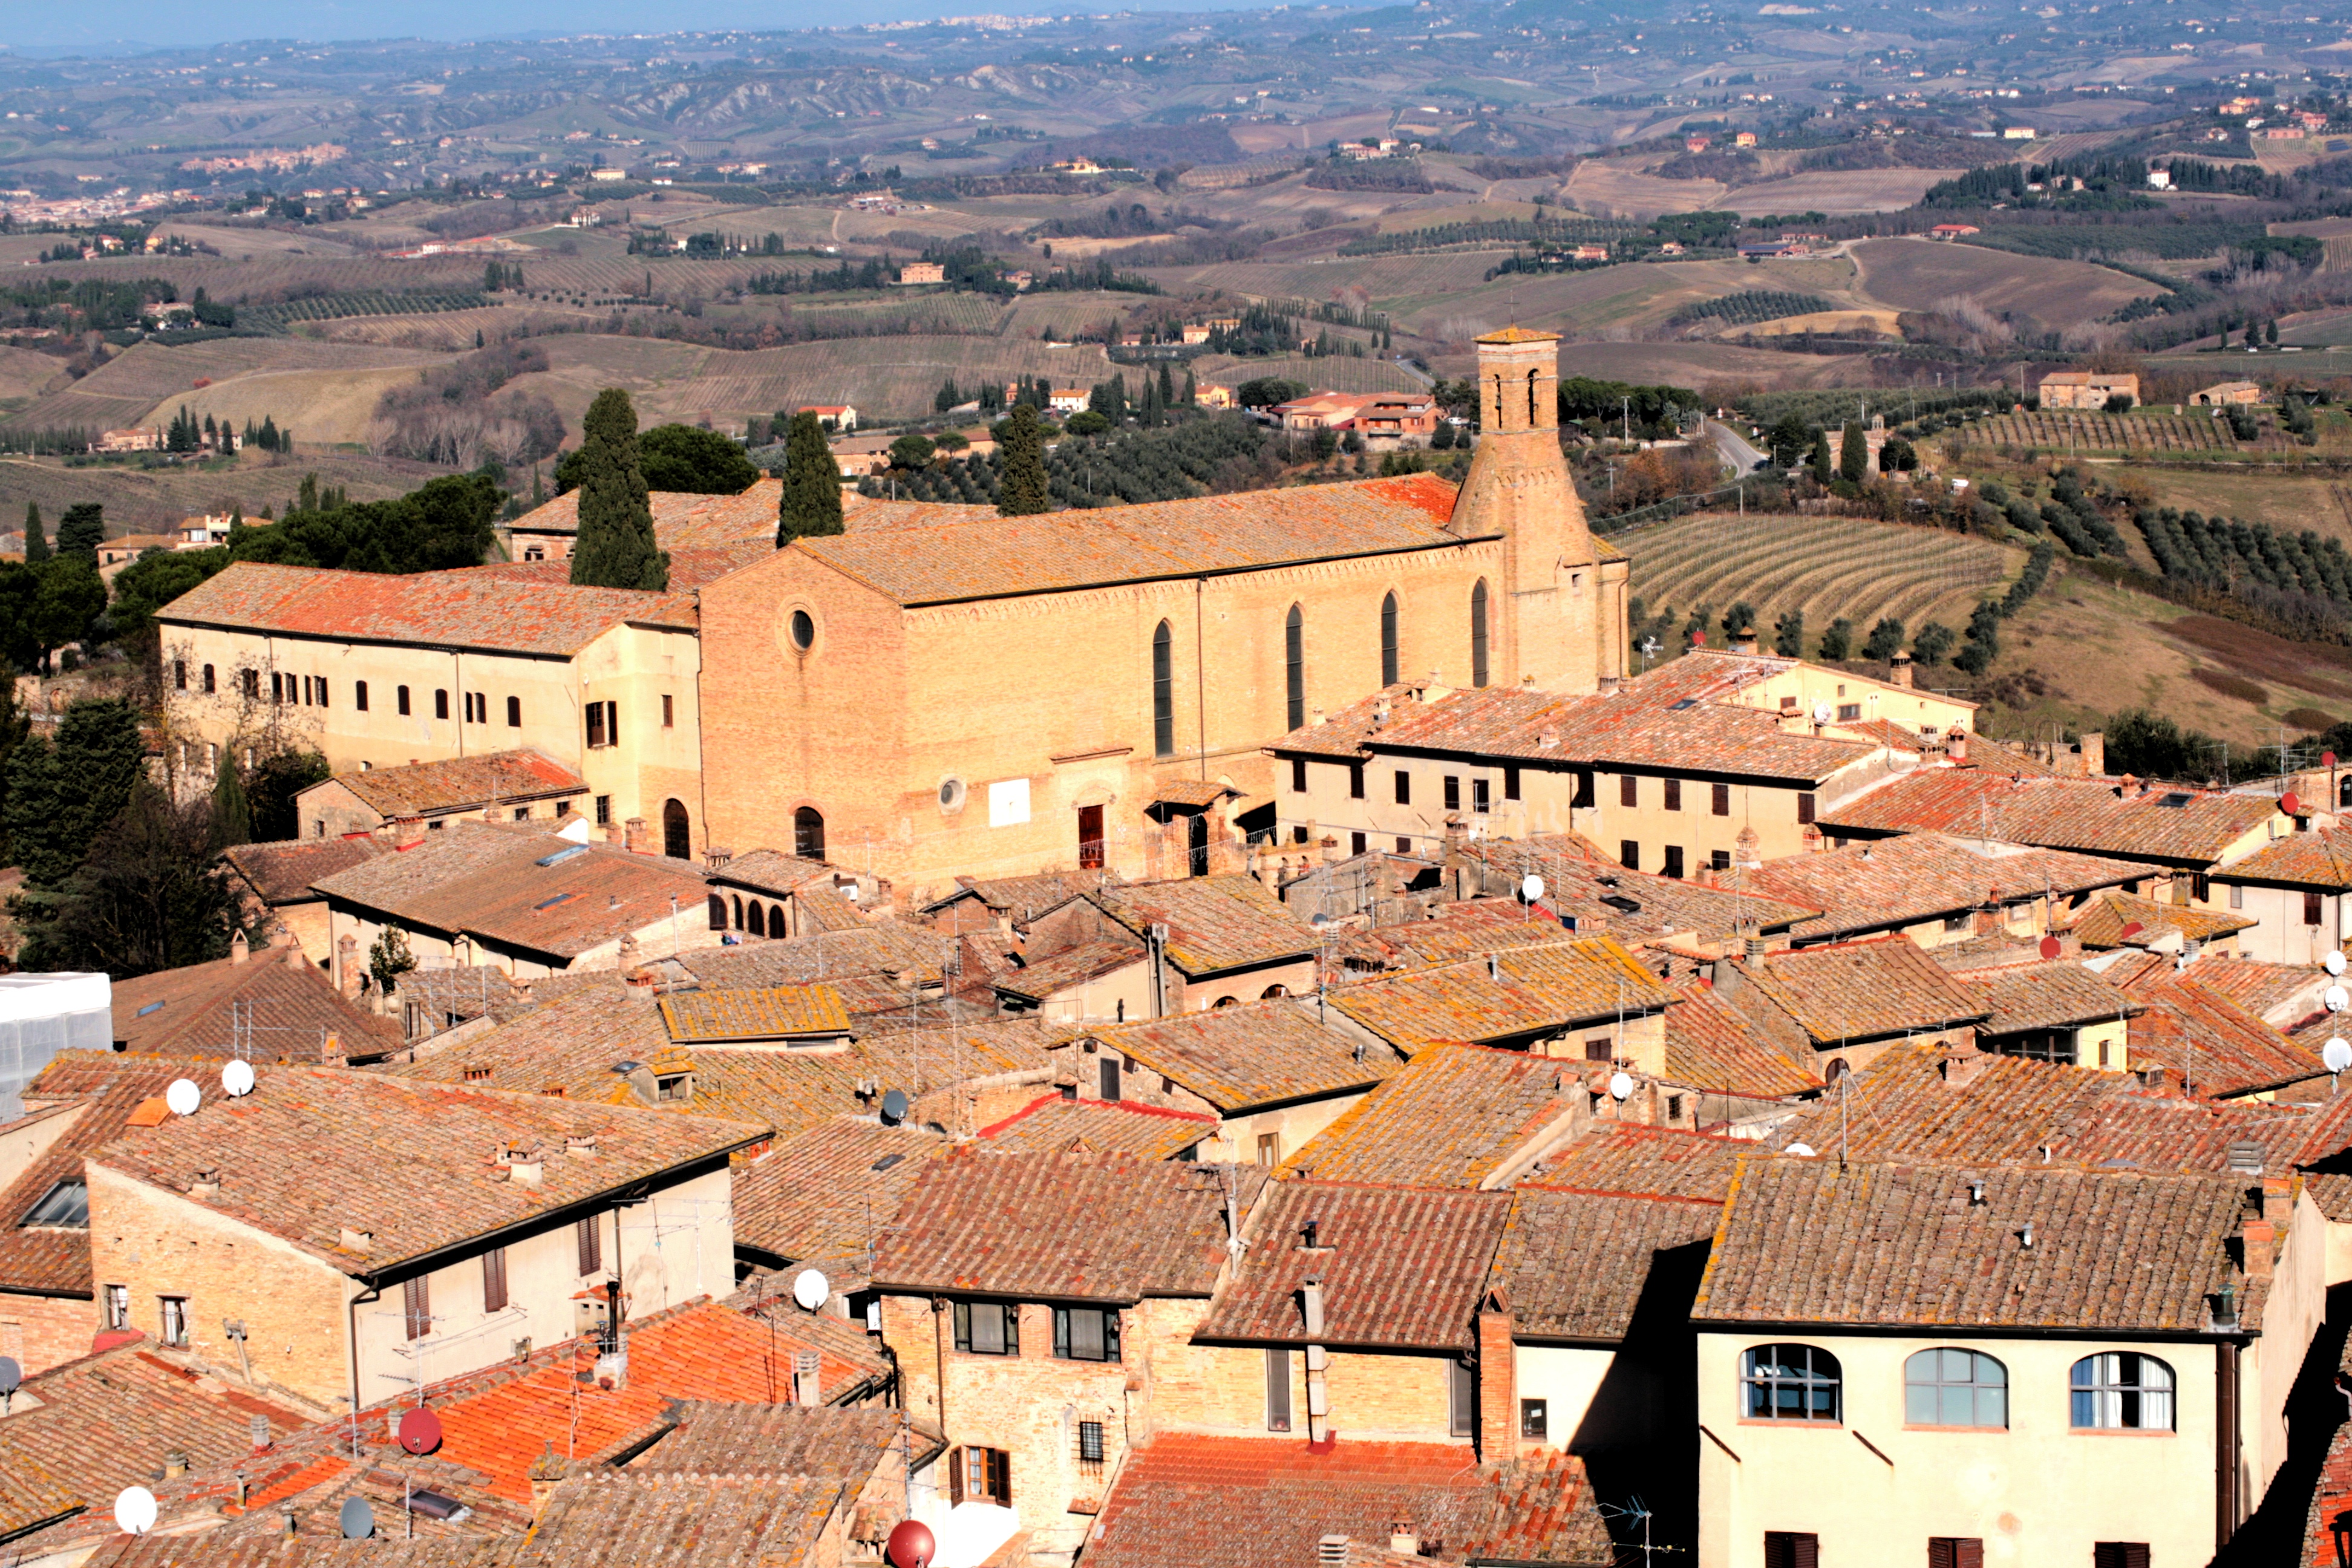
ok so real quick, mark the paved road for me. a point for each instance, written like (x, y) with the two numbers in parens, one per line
(1734, 446)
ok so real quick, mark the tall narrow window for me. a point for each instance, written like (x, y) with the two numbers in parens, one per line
(180, 674)
(211, 684)
(1091, 837)
(401, 700)
(808, 834)
(440, 704)
(1389, 641)
(1294, 666)
(1277, 1391)
(358, 695)
(1461, 1399)
(417, 1307)
(514, 711)
(494, 1280)
(1163, 694)
(591, 1245)
(1478, 632)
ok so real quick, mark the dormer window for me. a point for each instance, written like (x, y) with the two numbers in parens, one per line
(64, 1207)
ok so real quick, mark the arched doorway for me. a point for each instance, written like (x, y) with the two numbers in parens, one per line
(808, 832)
(677, 839)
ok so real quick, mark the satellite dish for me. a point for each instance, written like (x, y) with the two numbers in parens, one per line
(2333, 964)
(911, 1545)
(2334, 998)
(237, 1078)
(357, 1518)
(2291, 803)
(183, 1097)
(420, 1431)
(2336, 1056)
(1822, 712)
(1532, 888)
(893, 1107)
(2049, 947)
(135, 1509)
(2327, 759)
(11, 1376)
(811, 1289)
(1803, 1151)
(1621, 1085)
(2133, 930)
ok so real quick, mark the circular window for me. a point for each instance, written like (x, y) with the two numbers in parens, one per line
(951, 795)
(802, 630)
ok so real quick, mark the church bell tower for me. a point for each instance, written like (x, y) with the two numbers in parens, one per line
(1561, 624)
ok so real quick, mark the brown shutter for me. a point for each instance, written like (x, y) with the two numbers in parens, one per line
(1968, 1553)
(955, 1476)
(592, 1245)
(416, 1306)
(494, 1280)
(1000, 1479)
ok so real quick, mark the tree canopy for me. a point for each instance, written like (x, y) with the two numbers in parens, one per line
(811, 502)
(678, 457)
(615, 547)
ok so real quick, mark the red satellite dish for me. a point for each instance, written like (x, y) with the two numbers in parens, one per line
(2133, 930)
(2049, 947)
(2291, 803)
(2327, 759)
(420, 1431)
(911, 1545)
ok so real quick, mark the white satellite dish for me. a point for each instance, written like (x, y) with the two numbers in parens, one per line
(1803, 1151)
(1821, 712)
(236, 1078)
(1621, 1086)
(811, 1289)
(2336, 1056)
(1532, 888)
(135, 1509)
(183, 1097)
(2334, 998)
(2333, 964)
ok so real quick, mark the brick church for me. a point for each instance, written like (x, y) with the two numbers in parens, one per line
(994, 696)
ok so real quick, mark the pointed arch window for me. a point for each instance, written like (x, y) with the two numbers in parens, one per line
(1389, 640)
(1294, 663)
(1479, 633)
(1163, 694)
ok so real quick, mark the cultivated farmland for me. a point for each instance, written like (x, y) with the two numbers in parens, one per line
(2067, 430)
(1919, 274)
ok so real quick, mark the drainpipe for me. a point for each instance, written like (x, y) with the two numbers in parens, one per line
(351, 1323)
(1201, 674)
(1318, 1400)
(2225, 1443)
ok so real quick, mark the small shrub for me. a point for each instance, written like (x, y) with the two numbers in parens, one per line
(2229, 685)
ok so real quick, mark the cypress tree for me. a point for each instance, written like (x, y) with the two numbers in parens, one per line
(1854, 454)
(1166, 385)
(615, 548)
(1820, 456)
(811, 502)
(36, 545)
(1022, 492)
(232, 817)
(1192, 391)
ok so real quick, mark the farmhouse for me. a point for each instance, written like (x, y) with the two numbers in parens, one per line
(839, 416)
(2086, 389)
(922, 272)
(1952, 230)
(2224, 392)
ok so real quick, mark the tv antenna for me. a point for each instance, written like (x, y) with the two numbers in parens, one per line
(1637, 1511)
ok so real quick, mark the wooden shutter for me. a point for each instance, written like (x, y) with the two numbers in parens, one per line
(2120, 1554)
(417, 1307)
(955, 1476)
(1000, 1478)
(1788, 1549)
(1968, 1552)
(494, 1280)
(592, 1245)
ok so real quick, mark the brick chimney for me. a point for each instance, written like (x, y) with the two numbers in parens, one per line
(1963, 1067)
(1898, 671)
(294, 959)
(1955, 745)
(239, 950)
(1498, 1382)
(2258, 1237)
(635, 837)
(1744, 642)
(348, 968)
(2094, 754)
(546, 1474)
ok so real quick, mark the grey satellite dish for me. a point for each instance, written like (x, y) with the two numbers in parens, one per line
(811, 1289)
(2333, 964)
(135, 1509)
(236, 1078)
(183, 1097)
(2336, 1056)
(1621, 1085)
(12, 1376)
(893, 1107)
(357, 1519)
(1803, 1151)
(1533, 887)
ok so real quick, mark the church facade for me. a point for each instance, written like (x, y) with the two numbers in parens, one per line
(994, 696)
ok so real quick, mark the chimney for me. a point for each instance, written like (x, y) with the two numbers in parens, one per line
(205, 1187)
(1402, 1539)
(1744, 642)
(2258, 1237)
(635, 837)
(292, 1522)
(546, 1474)
(407, 832)
(2278, 1204)
(1548, 740)
(175, 1463)
(2094, 754)
(581, 1145)
(239, 950)
(1331, 1551)
(1898, 671)
(294, 959)
(807, 1383)
(1955, 745)
(1332, 855)
(714, 856)
(1963, 1067)
(1498, 1382)
(1381, 712)
(1745, 851)
(527, 1166)
(348, 968)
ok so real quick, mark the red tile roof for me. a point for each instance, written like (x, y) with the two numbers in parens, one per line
(992, 557)
(1257, 1054)
(1050, 1124)
(768, 1013)
(1861, 990)
(1456, 1116)
(1184, 1500)
(2215, 1047)
(819, 1197)
(264, 1009)
(462, 783)
(99, 1091)
(1068, 1225)
(1573, 1265)
(2083, 814)
(2102, 923)
(438, 610)
(282, 872)
(1214, 923)
(1895, 883)
(2051, 994)
(2320, 859)
(1508, 995)
(1623, 1157)
(1401, 1267)
(1713, 1048)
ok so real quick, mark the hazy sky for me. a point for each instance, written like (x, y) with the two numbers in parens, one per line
(112, 22)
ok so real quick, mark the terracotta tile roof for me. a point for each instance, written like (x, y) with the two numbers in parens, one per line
(1418, 936)
(2331, 1503)
(988, 557)
(1401, 1267)
(525, 891)
(883, 948)
(2045, 995)
(1062, 1225)
(1895, 883)
(1716, 1049)
(315, 1152)
(1021, 897)
(2280, 993)
(83, 1431)
(1573, 1265)
(2102, 923)
(1804, 1242)
(821, 906)
(660, 1518)
(730, 1438)
(1456, 1116)
(1504, 996)
(2013, 1110)
(819, 1197)
(282, 872)
(438, 610)
(265, 1008)
(1187, 1500)
(99, 1091)
(463, 784)
(2083, 814)
(2216, 1046)
(1861, 990)
(682, 520)
(2319, 859)
(1034, 979)
(1214, 923)
(771, 1013)
(1625, 1158)
(1257, 1054)
(1580, 880)
(1050, 1124)
(770, 871)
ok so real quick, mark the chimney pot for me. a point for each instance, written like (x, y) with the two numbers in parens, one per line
(294, 959)
(239, 950)
(205, 1187)
(175, 1463)
(1403, 1540)
(1331, 1549)
(1898, 671)
(1956, 745)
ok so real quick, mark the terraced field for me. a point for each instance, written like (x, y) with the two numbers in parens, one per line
(2090, 432)
(1329, 372)
(1824, 566)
